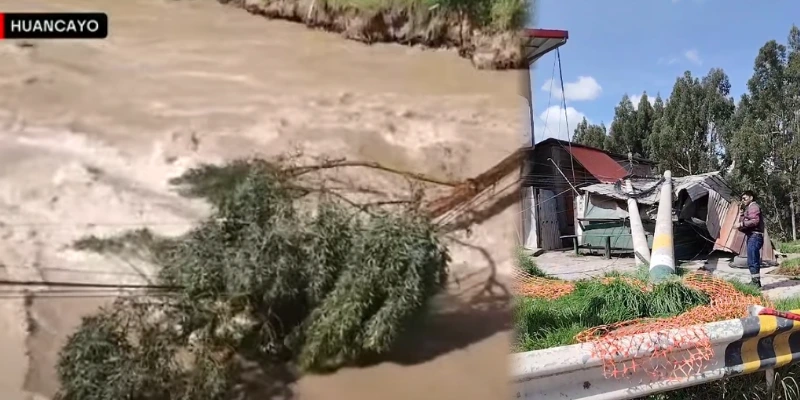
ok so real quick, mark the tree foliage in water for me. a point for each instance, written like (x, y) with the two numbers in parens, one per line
(700, 128)
(263, 278)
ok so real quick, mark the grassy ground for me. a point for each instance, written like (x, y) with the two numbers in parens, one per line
(790, 267)
(543, 323)
(789, 247)
(528, 265)
(497, 15)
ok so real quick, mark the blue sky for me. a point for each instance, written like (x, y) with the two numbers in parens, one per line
(630, 46)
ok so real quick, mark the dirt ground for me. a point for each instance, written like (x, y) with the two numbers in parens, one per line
(92, 130)
(564, 264)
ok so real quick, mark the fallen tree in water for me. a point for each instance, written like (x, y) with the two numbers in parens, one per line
(276, 274)
(285, 270)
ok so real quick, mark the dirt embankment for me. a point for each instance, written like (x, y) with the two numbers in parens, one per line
(430, 27)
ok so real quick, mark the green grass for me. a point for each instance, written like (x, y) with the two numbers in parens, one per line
(745, 288)
(745, 387)
(789, 247)
(548, 323)
(791, 303)
(545, 323)
(527, 264)
(790, 267)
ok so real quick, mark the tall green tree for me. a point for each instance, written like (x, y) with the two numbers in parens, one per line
(590, 134)
(686, 139)
(716, 111)
(793, 104)
(765, 150)
(624, 137)
(658, 109)
(675, 145)
(643, 126)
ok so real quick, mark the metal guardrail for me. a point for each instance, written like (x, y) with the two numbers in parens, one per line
(739, 346)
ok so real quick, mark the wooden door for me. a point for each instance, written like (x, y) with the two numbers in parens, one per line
(547, 220)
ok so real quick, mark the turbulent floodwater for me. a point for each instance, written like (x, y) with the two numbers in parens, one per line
(92, 130)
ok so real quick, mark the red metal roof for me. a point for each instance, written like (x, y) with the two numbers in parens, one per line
(598, 163)
(547, 33)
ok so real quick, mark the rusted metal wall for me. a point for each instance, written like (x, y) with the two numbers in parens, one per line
(717, 210)
(732, 240)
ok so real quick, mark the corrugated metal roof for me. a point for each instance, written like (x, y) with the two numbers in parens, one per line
(695, 185)
(564, 143)
(599, 164)
(722, 211)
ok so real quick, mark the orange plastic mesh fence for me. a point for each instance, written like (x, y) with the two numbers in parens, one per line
(655, 339)
(541, 288)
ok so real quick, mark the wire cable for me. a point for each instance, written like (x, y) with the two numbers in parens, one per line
(7, 282)
(549, 98)
(566, 116)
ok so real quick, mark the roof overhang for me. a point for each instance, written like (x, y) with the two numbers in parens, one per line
(543, 41)
(599, 164)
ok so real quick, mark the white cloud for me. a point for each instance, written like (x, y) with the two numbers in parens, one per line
(585, 88)
(668, 60)
(693, 56)
(636, 98)
(551, 123)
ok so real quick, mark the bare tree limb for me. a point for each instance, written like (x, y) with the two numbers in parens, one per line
(472, 187)
(339, 163)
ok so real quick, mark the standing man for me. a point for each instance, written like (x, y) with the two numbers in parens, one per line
(751, 224)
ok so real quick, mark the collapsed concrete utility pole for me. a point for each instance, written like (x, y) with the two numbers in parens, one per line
(640, 248)
(662, 262)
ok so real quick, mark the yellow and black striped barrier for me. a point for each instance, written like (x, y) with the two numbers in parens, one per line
(767, 342)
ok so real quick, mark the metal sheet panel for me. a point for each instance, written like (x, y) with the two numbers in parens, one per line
(730, 239)
(733, 241)
(581, 203)
(621, 238)
(696, 186)
(768, 252)
(600, 207)
(599, 164)
(717, 209)
(530, 239)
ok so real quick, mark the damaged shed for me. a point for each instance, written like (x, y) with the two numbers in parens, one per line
(552, 170)
(704, 214)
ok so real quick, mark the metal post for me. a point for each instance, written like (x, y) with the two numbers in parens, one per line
(640, 247)
(662, 261)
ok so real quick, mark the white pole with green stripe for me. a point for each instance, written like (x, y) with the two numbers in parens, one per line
(662, 259)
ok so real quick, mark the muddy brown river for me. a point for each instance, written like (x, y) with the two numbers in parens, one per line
(92, 130)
